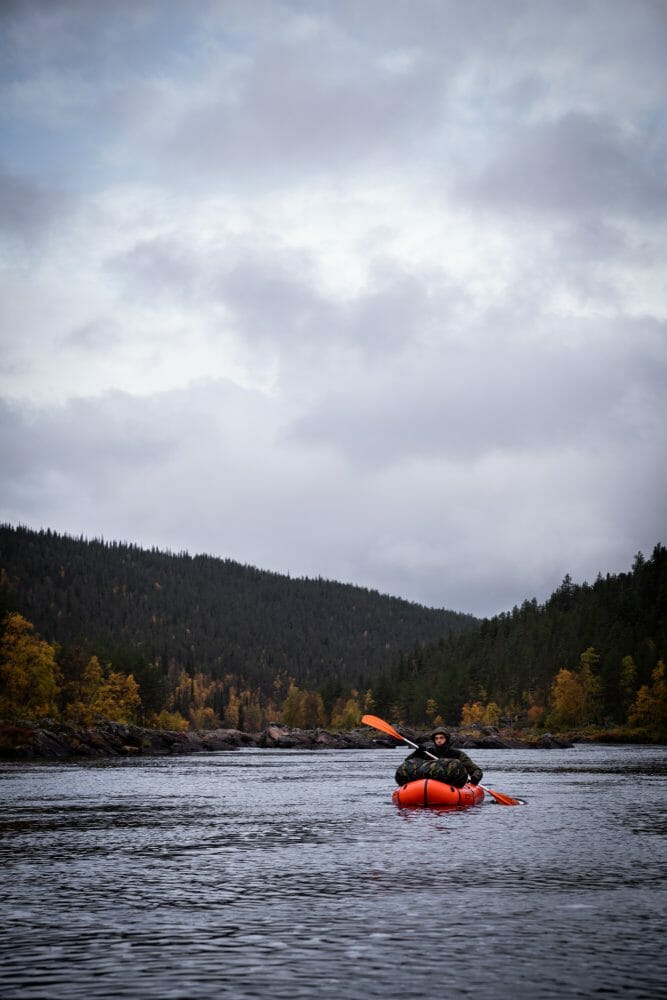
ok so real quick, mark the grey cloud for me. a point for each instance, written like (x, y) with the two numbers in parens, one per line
(94, 437)
(401, 308)
(271, 295)
(84, 436)
(97, 335)
(282, 102)
(576, 164)
(161, 266)
(461, 405)
(27, 207)
(318, 105)
(40, 32)
(274, 298)
(247, 99)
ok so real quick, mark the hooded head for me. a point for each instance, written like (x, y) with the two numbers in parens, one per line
(443, 732)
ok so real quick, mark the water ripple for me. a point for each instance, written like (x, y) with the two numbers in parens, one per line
(283, 875)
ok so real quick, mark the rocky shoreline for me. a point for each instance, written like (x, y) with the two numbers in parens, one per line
(57, 740)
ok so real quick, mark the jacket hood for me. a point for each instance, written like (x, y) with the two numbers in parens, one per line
(443, 732)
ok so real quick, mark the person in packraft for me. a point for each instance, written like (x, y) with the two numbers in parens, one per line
(453, 767)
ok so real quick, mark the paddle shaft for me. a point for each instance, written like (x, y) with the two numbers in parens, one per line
(417, 747)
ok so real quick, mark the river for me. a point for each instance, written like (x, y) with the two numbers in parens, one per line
(289, 874)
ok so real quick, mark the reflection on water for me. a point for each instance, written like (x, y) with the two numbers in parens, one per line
(291, 874)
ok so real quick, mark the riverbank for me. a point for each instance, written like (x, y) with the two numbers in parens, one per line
(56, 740)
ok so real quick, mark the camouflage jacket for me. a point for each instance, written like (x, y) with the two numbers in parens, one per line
(449, 753)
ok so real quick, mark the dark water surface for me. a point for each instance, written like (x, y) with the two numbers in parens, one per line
(290, 874)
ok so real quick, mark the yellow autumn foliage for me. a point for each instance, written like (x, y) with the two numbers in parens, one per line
(477, 711)
(303, 709)
(103, 695)
(29, 675)
(650, 706)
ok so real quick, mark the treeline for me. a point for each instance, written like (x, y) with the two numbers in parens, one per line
(92, 629)
(592, 655)
(39, 680)
(208, 639)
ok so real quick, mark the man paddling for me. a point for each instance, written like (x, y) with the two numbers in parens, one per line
(457, 767)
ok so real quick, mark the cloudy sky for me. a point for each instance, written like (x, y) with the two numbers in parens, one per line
(362, 289)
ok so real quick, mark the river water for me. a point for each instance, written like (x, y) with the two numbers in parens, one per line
(289, 874)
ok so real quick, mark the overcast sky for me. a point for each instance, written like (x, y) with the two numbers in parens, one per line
(372, 290)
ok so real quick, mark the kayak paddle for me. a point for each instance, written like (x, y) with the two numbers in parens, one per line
(376, 723)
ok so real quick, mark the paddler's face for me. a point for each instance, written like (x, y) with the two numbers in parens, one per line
(440, 739)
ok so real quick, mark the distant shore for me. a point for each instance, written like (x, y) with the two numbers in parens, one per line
(56, 740)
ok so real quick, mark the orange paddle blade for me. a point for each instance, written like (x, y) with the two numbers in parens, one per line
(372, 720)
(503, 800)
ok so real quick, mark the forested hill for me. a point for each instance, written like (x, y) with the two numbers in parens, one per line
(123, 632)
(203, 614)
(591, 654)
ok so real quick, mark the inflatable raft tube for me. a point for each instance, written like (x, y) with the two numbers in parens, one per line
(429, 792)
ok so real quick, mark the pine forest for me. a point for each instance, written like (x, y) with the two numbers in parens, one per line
(95, 629)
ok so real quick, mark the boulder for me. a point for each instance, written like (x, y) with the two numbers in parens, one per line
(492, 743)
(227, 739)
(286, 739)
(549, 742)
